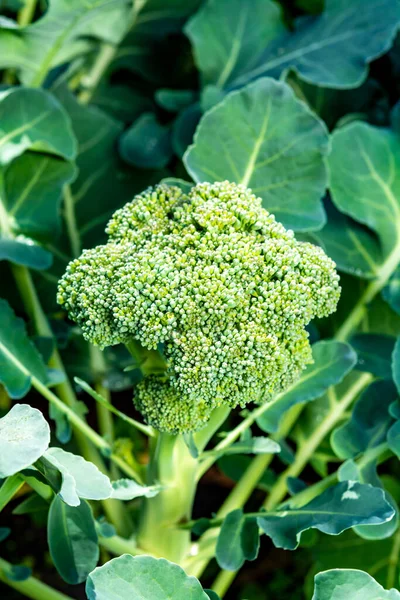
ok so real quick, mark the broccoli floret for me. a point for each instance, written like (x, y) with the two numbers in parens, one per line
(213, 277)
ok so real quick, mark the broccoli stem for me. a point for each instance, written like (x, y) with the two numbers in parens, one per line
(172, 465)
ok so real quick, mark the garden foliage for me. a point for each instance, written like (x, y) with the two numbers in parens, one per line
(297, 101)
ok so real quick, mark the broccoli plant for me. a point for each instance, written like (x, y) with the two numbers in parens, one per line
(215, 279)
(200, 305)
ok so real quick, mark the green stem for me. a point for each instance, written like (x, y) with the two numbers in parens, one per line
(81, 425)
(380, 453)
(92, 79)
(105, 56)
(373, 288)
(195, 565)
(31, 587)
(223, 582)
(26, 13)
(118, 545)
(104, 416)
(9, 488)
(70, 221)
(64, 390)
(233, 435)
(172, 466)
(309, 446)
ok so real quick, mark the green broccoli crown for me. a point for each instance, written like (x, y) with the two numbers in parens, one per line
(214, 278)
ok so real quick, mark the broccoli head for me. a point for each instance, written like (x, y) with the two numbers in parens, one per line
(215, 279)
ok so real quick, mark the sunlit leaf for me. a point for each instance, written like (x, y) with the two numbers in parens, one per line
(142, 578)
(24, 437)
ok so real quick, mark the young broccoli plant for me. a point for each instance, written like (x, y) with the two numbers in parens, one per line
(226, 291)
(218, 282)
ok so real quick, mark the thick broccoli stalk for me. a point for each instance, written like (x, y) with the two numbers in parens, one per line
(213, 277)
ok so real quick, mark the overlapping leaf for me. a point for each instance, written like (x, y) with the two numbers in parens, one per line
(369, 422)
(80, 478)
(58, 36)
(33, 119)
(364, 182)
(228, 37)
(331, 50)
(269, 141)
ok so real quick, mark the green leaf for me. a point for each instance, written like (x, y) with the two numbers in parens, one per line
(127, 489)
(33, 185)
(175, 100)
(369, 101)
(352, 246)
(332, 361)
(72, 540)
(81, 478)
(18, 573)
(367, 190)
(184, 128)
(189, 440)
(24, 437)
(142, 578)
(391, 292)
(212, 595)
(53, 39)
(342, 584)
(63, 426)
(146, 144)
(103, 183)
(19, 359)
(367, 473)
(101, 400)
(348, 550)
(25, 252)
(338, 508)
(254, 445)
(4, 533)
(228, 37)
(374, 353)
(33, 119)
(396, 364)
(238, 541)
(369, 421)
(393, 438)
(280, 154)
(334, 49)
(234, 466)
(33, 504)
(122, 101)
